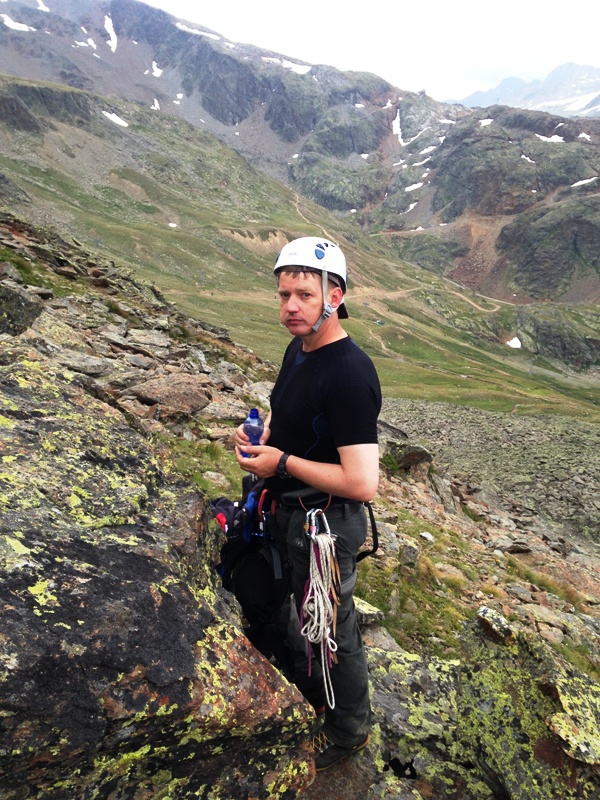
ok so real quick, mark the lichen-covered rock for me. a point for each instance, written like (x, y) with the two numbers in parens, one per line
(509, 720)
(529, 720)
(123, 672)
(17, 310)
(182, 393)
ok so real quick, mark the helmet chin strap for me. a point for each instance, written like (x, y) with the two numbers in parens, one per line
(328, 309)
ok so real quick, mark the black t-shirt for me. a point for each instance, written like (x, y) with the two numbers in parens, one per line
(323, 400)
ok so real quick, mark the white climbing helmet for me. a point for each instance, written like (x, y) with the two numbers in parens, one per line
(322, 256)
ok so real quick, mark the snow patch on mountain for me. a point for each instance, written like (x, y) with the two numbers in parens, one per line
(15, 26)
(108, 27)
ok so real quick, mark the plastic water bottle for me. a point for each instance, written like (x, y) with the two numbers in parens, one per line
(253, 428)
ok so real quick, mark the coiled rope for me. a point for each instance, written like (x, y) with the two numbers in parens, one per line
(318, 614)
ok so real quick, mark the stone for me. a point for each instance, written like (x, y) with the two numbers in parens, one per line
(137, 360)
(520, 592)
(261, 391)
(148, 339)
(450, 571)
(180, 392)
(367, 613)
(231, 408)
(407, 455)
(8, 271)
(67, 272)
(18, 309)
(409, 554)
(388, 538)
(81, 362)
(217, 478)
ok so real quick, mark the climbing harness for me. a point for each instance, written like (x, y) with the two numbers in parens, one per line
(318, 613)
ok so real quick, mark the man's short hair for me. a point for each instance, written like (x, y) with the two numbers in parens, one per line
(300, 269)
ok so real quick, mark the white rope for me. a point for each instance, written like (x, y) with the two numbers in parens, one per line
(319, 608)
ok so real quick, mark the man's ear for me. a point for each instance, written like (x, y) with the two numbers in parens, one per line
(336, 297)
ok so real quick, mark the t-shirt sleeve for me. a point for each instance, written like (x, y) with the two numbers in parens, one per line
(353, 406)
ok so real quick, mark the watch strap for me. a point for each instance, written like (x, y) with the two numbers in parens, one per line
(281, 466)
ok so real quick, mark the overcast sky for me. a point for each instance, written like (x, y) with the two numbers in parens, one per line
(450, 49)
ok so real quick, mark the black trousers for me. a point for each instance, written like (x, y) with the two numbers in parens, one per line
(349, 722)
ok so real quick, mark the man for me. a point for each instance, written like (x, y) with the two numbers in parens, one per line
(319, 450)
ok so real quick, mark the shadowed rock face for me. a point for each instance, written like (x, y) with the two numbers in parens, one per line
(122, 670)
(17, 310)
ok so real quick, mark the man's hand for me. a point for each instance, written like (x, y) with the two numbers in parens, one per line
(263, 460)
(240, 439)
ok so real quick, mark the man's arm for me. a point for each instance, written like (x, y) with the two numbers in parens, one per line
(356, 477)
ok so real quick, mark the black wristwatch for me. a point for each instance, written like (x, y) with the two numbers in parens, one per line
(281, 470)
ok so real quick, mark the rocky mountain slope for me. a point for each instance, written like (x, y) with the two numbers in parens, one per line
(124, 669)
(504, 201)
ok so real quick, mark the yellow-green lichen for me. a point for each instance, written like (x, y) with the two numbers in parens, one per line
(17, 546)
(43, 596)
(578, 723)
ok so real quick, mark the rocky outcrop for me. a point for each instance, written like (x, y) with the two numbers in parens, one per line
(506, 721)
(18, 309)
(501, 161)
(123, 666)
(549, 249)
(54, 102)
(15, 113)
(293, 107)
(553, 335)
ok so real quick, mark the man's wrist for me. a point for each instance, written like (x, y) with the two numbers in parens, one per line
(281, 466)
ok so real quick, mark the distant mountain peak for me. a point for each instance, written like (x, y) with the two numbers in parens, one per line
(571, 90)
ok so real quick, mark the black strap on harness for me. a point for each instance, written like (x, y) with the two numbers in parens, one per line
(374, 535)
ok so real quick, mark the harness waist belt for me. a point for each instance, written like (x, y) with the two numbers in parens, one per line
(310, 498)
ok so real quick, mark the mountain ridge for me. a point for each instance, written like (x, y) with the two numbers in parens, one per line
(570, 90)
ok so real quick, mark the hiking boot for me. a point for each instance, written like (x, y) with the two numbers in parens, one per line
(327, 753)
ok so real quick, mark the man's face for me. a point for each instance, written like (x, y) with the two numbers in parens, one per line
(301, 299)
